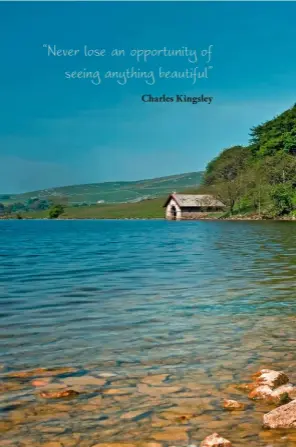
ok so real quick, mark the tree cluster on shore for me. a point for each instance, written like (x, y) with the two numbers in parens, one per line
(54, 206)
(261, 177)
(32, 204)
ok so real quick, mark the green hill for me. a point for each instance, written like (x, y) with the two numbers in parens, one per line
(111, 192)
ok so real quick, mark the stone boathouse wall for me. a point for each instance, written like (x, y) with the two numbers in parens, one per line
(192, 215)
(187, 213)
(169, 210)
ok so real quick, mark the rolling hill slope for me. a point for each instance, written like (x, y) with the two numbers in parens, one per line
(113, 192)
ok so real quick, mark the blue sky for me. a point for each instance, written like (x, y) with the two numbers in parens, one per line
(56, 132)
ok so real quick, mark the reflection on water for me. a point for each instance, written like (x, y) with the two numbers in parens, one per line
(202, 304)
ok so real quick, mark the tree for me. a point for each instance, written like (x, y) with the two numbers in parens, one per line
(227, 165)
(8, 209)
(39, 204)
(261, 176)
(229, 192)
(255, 186)
(280, 168)
(225, 175)
(18, 206)
(283, 197)
(56, 211)
(275, 135)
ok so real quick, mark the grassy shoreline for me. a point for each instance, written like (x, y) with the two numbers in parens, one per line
(146, 210)
(211, 219)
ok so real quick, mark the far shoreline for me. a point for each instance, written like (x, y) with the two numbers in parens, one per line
(211, 219)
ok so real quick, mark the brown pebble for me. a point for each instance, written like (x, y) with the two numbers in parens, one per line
(233, 405)
(155, 379)
(246, 387)
(44, 372)
(52, 444)
(114, 444)
(171, 434)
(58, 394)
(40, 382)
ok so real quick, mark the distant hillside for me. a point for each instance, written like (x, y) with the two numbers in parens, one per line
(112, 192)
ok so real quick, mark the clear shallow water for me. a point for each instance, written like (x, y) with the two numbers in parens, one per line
(207, 303)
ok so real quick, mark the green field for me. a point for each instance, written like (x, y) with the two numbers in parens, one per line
(142, 210)
(112, 192)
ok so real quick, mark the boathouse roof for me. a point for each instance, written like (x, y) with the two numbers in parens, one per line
(195, 200)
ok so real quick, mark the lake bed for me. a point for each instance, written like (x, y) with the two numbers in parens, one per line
(152, 322)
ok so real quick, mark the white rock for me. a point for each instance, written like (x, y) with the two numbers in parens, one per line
(270, 385)
(265, 392)
(271, 378)
(215, 440)
(281, 417)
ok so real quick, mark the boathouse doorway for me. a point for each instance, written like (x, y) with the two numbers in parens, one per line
(173, 212)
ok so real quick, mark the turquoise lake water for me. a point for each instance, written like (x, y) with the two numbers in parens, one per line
(207, 303)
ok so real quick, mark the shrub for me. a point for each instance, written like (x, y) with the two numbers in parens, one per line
(56, 211)
(282, 196)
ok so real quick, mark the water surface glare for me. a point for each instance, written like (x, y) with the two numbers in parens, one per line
(201, 305)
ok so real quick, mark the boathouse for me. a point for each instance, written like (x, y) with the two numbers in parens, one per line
(191, 206)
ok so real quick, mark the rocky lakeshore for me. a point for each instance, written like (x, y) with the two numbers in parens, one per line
(56, 407)
(100, 345)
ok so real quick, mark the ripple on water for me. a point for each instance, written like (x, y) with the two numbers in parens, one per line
(158, 321)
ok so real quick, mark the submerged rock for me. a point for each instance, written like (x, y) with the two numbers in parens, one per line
(107, 375)
(245, 387)
(114, 444)
(179, 415)
(215, 440)
(5, 426)
(143, 388)
(41, 372)
(233, 405)
(58, 394)
(52, 444)
(281, 417)
(40, 382)
(155, 379)
(136, 414)
(118, 391)
(10, 386)
(84, 381)
(171, 434)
